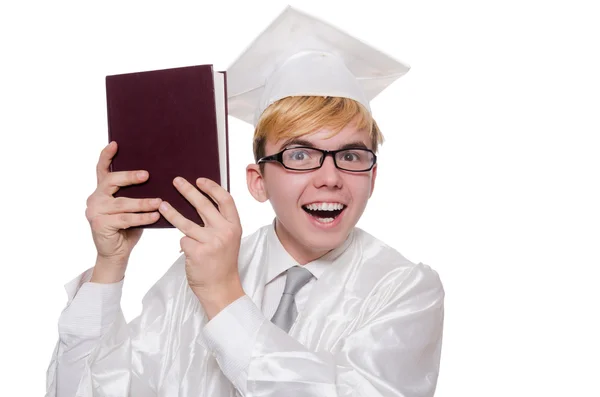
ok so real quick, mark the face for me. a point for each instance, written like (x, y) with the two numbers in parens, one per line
(300, 197)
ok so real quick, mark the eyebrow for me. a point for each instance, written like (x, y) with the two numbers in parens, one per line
(304, 142)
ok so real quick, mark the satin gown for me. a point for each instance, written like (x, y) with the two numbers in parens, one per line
(372, 326)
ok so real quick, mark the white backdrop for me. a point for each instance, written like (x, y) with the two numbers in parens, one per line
(489, 172)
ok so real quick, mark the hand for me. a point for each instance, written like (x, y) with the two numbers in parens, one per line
(211, 252)
(110, 218)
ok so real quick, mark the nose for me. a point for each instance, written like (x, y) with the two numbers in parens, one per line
(328, 175)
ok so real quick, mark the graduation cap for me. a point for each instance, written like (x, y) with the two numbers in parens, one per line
(298, 55)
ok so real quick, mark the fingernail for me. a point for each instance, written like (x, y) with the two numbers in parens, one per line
(142, 174)
(164, 206)
(178, 181)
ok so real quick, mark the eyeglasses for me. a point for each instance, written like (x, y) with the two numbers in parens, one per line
(305, 158)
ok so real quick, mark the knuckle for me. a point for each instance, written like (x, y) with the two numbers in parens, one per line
(227, 199)
(228, 233)
(147, 204)
(96, 223)
(232, 232)
(105, 181)
(123, 218)
(218, 242)
(118, 203)
(109, 179)
(103, 172)
(184, 243)
(181, 224)
(91, 205)
(186, 227)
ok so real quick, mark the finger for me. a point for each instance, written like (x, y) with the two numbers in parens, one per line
(114, 180)
(186, 226)
(106, 156)
(207, 211)
(124, 221)
(222, 197)
(123, 204)
(188, 245)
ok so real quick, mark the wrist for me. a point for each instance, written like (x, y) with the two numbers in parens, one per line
(108, 270)
(216, 298)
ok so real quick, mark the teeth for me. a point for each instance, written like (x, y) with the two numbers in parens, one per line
(325, 207)
(325, 220)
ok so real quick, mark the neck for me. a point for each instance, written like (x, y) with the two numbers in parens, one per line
(301, 253)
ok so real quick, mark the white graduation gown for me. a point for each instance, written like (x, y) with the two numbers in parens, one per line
(372, 326)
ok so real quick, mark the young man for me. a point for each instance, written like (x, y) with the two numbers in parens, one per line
(307, 306)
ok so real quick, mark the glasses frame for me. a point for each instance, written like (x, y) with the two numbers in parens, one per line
(278, 157)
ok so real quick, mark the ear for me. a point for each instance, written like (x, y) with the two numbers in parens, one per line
(255, 182)
(373, 177)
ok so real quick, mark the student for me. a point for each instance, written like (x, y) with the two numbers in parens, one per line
(308, 305)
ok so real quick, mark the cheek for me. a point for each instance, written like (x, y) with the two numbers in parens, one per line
(361, 191)
(285, 192)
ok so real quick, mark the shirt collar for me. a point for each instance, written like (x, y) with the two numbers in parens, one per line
(279, 260)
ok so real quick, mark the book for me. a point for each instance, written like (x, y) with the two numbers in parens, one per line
(170, 122)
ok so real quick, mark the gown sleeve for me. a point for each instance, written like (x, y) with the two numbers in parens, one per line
(91, 310)
(100, 354)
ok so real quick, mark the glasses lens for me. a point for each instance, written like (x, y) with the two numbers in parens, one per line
(354, 159)
(301, 158)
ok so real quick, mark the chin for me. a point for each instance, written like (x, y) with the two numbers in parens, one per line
(317, 244)
(325, 240)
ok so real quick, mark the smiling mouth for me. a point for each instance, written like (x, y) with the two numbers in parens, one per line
(324, 213)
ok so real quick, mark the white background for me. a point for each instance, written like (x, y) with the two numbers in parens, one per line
(489, 172)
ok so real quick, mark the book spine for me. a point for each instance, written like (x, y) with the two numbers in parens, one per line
(108, 111)
(226, 129)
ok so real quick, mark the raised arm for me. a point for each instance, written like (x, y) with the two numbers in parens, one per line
(94, 297)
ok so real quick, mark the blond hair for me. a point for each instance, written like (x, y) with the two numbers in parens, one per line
(296, 116)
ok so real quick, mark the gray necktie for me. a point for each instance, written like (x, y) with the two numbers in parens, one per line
(286, 312)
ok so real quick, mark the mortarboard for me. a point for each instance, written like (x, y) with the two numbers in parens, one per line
(298, 54)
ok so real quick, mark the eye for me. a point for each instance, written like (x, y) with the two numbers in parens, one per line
(351, 156)
(299, 154)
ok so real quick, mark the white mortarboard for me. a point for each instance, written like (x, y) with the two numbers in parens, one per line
(298, 54)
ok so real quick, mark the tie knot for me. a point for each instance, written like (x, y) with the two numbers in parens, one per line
(297, 277)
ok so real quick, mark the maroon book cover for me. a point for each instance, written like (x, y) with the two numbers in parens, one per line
(165, 122)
